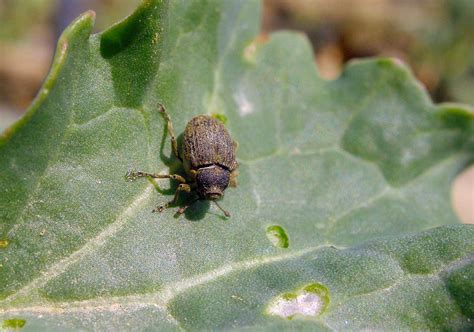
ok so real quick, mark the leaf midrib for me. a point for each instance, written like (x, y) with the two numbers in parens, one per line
(162, 298)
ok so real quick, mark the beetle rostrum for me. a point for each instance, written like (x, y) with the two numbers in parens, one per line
(208, 157)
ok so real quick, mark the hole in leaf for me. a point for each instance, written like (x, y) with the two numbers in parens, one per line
(221, 117)
(14, 323)
(277, 236)
(3, 243)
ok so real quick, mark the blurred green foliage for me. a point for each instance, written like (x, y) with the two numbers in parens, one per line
(447, 46)
(436, 38)
(20, 17)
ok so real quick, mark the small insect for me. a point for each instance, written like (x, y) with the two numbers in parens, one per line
(208, 157)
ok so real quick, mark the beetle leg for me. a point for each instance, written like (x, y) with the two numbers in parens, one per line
(184, 208)
(133, 175)
(233, 178)
(174, 143)
(193, 174)
(235, 144)
(182, 187)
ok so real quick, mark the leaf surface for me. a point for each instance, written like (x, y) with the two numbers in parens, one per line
(327, 166)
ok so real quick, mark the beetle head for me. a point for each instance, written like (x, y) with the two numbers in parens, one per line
(211, 182)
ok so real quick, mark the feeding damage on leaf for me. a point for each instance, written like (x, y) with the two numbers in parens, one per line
(308, 301)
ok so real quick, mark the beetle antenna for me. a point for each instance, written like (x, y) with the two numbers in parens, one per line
(226, 213)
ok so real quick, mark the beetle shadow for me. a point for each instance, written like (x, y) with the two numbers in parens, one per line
(196, 211)
(165, 159)
(170, 160)
(175, 166)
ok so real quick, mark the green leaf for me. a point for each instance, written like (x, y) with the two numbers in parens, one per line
(331, 165)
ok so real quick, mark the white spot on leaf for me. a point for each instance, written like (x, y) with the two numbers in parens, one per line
(305, 304)
(245, 106)
(310, 301)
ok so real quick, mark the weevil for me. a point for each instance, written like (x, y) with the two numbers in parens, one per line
(208, 157)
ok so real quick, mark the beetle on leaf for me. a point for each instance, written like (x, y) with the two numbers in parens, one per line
(208, 157)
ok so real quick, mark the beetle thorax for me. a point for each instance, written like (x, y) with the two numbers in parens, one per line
(211, 181)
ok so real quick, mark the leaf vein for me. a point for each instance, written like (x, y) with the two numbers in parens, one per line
(91, 246)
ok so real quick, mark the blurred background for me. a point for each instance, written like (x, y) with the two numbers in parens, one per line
(434, 37)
